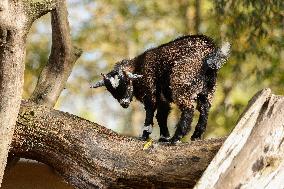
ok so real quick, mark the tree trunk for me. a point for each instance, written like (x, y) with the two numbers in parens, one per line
(90, 156)
(197, 16)
(192, 16)
(12, 52)
(253, 154)
(16, 18)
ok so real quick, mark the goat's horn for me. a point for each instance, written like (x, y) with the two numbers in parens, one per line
(132, 76)
(104, 75)
(100, 83)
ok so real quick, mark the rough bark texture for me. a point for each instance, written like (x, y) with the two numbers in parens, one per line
(90, 156)
(253, 154)
(14, 26)
(16, 17)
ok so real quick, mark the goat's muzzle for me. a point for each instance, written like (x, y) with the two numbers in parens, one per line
(124, 103)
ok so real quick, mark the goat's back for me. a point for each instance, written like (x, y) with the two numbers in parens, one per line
(177, 65)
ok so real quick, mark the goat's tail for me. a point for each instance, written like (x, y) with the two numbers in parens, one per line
(219, 57)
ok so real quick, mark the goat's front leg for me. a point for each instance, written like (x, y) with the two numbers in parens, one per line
(184, 125)
(148, 125)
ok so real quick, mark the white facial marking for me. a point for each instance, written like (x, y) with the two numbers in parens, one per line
(114, 81)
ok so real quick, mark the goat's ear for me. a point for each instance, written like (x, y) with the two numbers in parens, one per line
(100, 83)
(132, 76)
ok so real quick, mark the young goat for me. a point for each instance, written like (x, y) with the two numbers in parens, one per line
(182, 71)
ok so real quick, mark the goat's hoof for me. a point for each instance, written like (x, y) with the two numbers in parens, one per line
(143, 138)
(195, 137)
(164, 139)
(175, 140)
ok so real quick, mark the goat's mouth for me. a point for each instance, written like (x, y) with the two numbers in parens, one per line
(124, 103)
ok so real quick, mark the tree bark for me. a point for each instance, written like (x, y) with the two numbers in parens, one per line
(16, 17)
(90, 156)
(253, 154)
(61, 60)
(13, 30)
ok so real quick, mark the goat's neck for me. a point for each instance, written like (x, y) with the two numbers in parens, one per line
(131, 65)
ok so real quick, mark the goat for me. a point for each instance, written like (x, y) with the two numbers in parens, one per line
(183, 71)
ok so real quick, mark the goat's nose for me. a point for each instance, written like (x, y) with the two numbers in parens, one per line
(124, 103)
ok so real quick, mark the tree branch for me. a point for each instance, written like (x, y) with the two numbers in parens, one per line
(37, 8)
(90, 156)
(61, 60)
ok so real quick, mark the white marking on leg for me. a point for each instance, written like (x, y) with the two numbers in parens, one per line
(163, 137)
(148, 128)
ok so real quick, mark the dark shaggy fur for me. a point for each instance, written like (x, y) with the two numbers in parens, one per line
(182, 71)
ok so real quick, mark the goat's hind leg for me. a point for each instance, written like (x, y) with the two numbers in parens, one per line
(203, 106)
(162, 118)
(184, 124)
(148, 125)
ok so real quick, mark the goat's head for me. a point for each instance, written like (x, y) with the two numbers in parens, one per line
(119, 83)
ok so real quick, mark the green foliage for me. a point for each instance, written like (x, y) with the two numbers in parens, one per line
(110, 30)
(255, 28)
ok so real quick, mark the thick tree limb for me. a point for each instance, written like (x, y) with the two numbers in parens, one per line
(253, 154)
(90, 156)
(61, 60)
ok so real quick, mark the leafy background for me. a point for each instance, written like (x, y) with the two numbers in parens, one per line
(110, 30)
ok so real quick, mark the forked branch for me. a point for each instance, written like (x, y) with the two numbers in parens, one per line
(61, 60)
